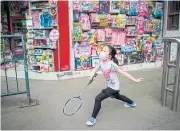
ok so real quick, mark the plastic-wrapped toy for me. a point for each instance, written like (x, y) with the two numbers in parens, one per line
(85, 37)
(131, 41)
(104, 6)
(39, 34)
(75, 16)
(82, 63)
(46, 19)
(38, 52)
(118, 37)
(109, 18)
(53, 13)
(94, 50)
(94, 18)
(36, 18)
(142, 8)
(131, 20)
(119, 21)
(140, 43)
(30, 34)
(128, 48)
(159, 50)
(77, 33)
(108, 33)
(84, 21)
(86, 5)
(158, 12)
(114, 37)
(149, 25)
(133, 8)
(100, 35)
(103, 21)
(147, 42)
(124, 7)
(45, 66)
(76, 6)
(114, 6)
(140, 25)
(121, 38)
(99, 48)
(156, 27)
(91, 38)
(151, 7)
(95, 6)
(82, 50)
(131, 30)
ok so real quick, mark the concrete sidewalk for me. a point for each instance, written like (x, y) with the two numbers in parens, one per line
(149, 114)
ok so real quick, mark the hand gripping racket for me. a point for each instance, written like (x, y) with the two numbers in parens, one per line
(75, 103)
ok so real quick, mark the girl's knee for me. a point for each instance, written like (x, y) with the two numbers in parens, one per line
(98, 98)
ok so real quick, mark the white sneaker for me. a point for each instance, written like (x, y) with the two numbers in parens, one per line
(91, 121)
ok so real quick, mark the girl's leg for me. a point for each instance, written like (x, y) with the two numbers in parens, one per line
(97, 106)
(123, 98)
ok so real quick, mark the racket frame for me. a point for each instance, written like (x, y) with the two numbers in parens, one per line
(77, 108)
(78, 97)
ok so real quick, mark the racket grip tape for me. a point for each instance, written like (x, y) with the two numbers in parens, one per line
(92, 78)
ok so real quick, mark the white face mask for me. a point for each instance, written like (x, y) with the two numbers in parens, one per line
(103, 56)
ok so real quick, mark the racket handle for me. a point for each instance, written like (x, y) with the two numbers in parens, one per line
(92, 78)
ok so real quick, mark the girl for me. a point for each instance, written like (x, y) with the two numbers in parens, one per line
(109, 67)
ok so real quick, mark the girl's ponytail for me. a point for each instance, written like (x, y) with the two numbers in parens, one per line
(115, 60)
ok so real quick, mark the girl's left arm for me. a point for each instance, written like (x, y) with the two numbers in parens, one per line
(127, 75)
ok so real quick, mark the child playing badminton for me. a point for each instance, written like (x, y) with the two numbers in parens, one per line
(109, 67)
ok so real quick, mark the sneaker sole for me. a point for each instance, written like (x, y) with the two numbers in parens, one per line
(129, 106)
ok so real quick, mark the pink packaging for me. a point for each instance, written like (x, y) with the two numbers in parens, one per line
(131, 41)
(76, 6)
(95, 6)
(36, 18)
(140, 26)
(114, 37)
(131, 30)
(108, 32)
(118, 37)
(85, 22)
(142, 8)
(109, 18)
(121, 38)
(94, 18)
(100, 34)
(85, 36)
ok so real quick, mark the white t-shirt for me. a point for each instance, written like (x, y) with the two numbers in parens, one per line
(109, 70)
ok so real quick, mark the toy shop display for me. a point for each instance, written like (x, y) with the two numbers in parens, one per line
(4, 20)
(43, 36)
(132, 27)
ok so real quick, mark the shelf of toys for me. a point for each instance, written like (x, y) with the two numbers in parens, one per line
(132, 27)
(42, 35)
(12, 48)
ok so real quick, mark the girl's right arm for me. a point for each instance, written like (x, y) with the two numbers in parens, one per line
(94, 71)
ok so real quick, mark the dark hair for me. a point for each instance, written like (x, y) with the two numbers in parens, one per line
(112, 53)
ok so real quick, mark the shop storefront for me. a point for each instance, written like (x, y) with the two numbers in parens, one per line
(41, 24)
(132, 27)
(67, 36)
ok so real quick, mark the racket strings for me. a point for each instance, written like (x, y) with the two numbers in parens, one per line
(72, 106)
